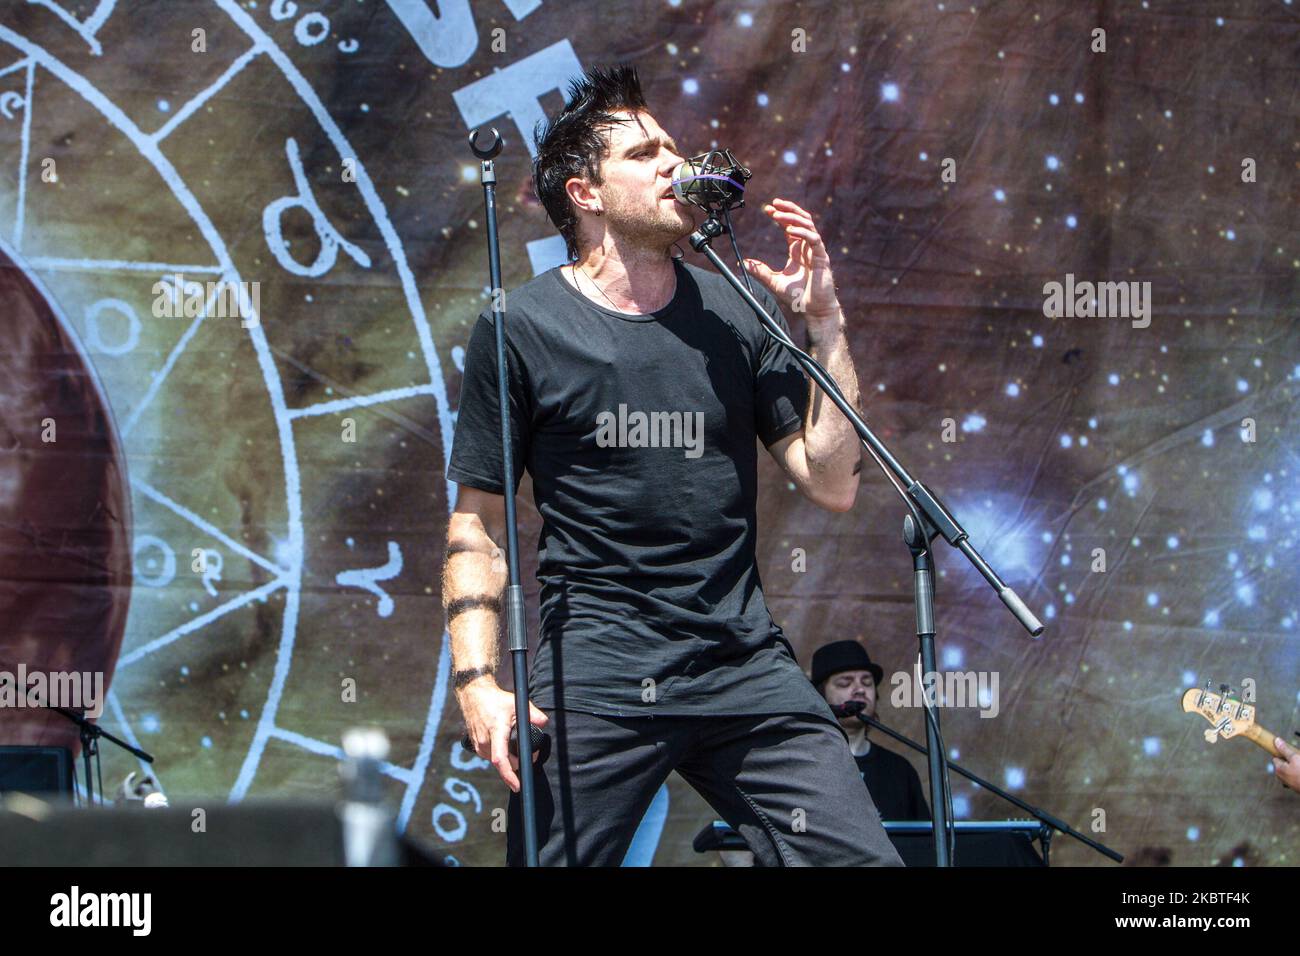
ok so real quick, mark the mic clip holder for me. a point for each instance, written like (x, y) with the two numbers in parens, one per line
(709, 230)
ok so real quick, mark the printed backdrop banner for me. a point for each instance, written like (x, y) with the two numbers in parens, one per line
(243, 245)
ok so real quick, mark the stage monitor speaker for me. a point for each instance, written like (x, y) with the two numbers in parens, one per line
(247, 834)
(36, 770)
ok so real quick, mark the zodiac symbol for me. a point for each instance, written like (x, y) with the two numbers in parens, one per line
(365, 578)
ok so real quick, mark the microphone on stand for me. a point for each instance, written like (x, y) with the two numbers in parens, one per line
(850, 708)
(714, 181)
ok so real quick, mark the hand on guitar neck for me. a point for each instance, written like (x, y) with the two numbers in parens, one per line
(1287, 765)
(1230, 717)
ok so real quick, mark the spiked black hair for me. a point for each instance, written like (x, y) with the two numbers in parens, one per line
(570, 144)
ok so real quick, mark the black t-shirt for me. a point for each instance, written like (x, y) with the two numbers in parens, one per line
(893, 784)
(639, 432)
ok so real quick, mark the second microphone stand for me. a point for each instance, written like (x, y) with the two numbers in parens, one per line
(91, 733)
(516, 631)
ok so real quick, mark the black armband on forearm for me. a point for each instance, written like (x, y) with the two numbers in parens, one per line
(461, 678)
(460, 547)
(461, 605)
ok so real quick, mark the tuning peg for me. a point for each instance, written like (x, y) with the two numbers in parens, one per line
(1211, 736)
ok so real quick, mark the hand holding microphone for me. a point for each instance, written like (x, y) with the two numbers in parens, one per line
(489, 715)
(539, 740)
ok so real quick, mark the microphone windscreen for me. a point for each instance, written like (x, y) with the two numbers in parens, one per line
(684, 182)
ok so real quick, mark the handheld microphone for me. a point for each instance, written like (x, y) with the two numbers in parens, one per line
(714, 181)
(538, 738)
(850, 708)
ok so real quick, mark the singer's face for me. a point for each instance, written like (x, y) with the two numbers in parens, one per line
(851, 685)
(637, 192)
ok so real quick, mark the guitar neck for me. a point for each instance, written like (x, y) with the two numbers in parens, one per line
(1262, 737)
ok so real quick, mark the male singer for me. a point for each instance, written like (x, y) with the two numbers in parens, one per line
(638, 386)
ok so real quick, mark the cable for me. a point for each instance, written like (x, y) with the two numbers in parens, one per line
(951, 819)
(945, 782)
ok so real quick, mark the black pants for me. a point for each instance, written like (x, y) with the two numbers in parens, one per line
(786, 782)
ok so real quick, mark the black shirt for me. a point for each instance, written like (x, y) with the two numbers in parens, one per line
(639, 432)
(893, 784)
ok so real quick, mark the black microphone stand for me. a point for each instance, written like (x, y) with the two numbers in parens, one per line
(928, 517)
(1049, 822)
(515, 622)
(90, 736)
